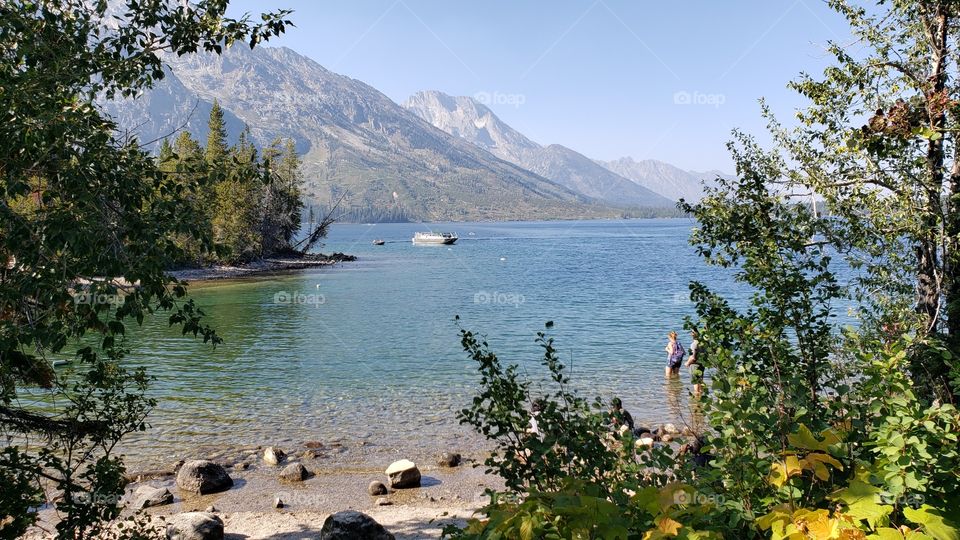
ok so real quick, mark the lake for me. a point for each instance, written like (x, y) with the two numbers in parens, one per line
(367, 355)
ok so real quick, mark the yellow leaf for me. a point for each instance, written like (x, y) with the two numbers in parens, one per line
(806, 440)
(669, 526)
(852, 534)
(780, 472)
(818, 524)
(825, 458)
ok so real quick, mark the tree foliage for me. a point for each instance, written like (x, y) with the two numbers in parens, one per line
(249, 204)
(88, 224)
(815, 430)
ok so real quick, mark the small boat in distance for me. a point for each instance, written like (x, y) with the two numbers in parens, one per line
(434, 238)
(379, 242)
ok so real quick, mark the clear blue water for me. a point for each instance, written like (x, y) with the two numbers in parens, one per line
(372, 353)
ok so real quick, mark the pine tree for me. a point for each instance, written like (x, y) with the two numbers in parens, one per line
(291, 190)
(237, 203)
(217, 136)
(166, 151)
(281, 208)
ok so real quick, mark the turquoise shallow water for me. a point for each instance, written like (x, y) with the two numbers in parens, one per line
(368, 352)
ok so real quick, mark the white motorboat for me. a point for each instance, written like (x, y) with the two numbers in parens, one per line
(434, 238)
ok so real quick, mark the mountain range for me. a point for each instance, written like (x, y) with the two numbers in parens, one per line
(469, 120)
(434, 158)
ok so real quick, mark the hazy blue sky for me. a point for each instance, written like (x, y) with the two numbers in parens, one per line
(607, 78)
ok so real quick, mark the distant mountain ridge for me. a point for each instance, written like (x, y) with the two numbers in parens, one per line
(381, 157)
(472, 121)
(354, 140)
(664, 178)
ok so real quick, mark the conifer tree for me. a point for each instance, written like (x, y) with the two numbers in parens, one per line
(216, 149)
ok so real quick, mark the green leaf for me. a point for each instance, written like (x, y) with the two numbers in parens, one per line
(886, 533)
(933, 523)
(863, 502)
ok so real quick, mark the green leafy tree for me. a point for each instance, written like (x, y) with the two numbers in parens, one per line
(815, 430)
(877, 146)
(88, 224)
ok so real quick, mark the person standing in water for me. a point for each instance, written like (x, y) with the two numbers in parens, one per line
(694, 363)
(675, 354)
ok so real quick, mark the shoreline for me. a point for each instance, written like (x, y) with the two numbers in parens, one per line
(261, 267)
(248, 509)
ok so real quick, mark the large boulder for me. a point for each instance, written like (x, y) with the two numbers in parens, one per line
(273, 456)
(149, 496)
(195, 526)
(352, 525)
(403, 474)
(202, 477)
(294, 472)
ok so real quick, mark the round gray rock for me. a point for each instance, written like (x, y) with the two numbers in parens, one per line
(294, 472)
(376, 488)
(352, 525)
(194, 526)
(202, 477)
(450, 459)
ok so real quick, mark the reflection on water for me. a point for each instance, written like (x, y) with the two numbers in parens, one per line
(374, 361)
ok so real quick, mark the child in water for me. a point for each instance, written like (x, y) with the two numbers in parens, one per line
(675, 354)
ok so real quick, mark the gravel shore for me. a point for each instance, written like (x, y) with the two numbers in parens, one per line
(260, 267)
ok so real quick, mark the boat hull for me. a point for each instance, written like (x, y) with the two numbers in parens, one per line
(435, 242)
(434, 238)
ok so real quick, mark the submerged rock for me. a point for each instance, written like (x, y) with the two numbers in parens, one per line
(403, 474)
(376, 488)
(194, 526)
(142, 476)
(149, 496)
(449, 459)
(202, 477)
(294, 472)
(352, 525)
(312, 454)
(273, 456)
